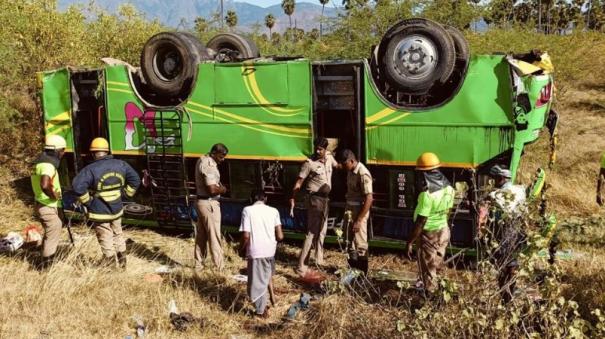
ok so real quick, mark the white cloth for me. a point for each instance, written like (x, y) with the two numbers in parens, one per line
(260, 221)
(510, 199)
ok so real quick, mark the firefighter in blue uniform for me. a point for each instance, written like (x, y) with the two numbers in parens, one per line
(100, 187)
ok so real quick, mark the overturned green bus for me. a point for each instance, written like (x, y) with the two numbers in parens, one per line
(419, 91)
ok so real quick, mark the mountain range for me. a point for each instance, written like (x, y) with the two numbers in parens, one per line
(175, 12)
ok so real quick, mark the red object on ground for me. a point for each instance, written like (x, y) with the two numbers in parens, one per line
(32, 234)
(312, 277)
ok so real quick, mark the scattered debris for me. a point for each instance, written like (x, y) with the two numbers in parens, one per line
(561, 254)
(240, 278)
(301, 304)
(11, 243)
(164, 269)
(32, 235)
(139, 326)
(312, 278)
(172, 307)
(153, 278)
(349, 276)
(389, 275)
(183, 321)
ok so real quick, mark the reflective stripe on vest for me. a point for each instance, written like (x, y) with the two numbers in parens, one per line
(84, 198)
(105, 217)
(109, 196)
(130, 191)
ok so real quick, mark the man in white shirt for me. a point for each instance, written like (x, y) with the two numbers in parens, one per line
(261, 229)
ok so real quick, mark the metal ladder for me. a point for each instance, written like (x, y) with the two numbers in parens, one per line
(166, 166)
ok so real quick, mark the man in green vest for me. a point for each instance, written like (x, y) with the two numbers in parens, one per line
(435, 200)
(47, 193)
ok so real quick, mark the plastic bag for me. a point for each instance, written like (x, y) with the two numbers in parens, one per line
(11, 243)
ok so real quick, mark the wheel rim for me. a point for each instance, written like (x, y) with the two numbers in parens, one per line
(228, 52)
(167, 63)
(415, 57)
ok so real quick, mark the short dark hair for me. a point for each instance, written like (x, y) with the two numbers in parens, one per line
(345, 155)
(258, 195)
(320, 142)
(219, 148)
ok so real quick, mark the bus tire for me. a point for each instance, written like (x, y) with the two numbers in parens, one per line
(231, 47)
(460, 45)
(169, 63)
(416, 54)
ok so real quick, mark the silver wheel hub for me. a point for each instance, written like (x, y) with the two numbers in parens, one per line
(415, 57)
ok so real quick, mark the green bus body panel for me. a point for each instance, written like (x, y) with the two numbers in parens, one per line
(56, 104)
(256, 109)
(228, 75)
(125, 133)
(472, 128)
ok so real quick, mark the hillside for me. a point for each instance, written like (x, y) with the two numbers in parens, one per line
(170, 13)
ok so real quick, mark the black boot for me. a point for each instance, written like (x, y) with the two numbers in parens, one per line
(353, 263)
(362, 264)
(122, 260)
(353, 259)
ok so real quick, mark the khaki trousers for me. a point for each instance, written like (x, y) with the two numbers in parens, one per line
(432, 250)
(359, 239)
(208, 233)
(317, 226)
(52, 225)
(109, 235)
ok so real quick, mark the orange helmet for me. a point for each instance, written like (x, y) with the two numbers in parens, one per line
(99, 144)
(427, 161)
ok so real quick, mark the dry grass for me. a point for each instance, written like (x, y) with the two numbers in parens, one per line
(78, 299)
(580, 146)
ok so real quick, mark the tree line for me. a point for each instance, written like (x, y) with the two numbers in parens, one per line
(544, 16)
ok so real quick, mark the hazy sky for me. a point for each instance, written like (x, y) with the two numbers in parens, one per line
(267, 3)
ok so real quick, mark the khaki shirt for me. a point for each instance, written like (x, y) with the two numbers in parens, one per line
(318, 172)
(206, 174)
(359, 183)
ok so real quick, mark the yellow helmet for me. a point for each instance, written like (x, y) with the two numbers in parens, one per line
(427, 161)
(54, 142)
(99, 144)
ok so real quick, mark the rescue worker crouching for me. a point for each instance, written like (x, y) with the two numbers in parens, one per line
(100, 187)
(431, 226)
(357, 210)
(47, 193)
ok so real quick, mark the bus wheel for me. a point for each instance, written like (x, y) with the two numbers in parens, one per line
(169, 63)
(461, 47)
(233, 47)
(416, 54)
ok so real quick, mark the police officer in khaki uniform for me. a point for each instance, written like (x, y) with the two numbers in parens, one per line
(317, 170)
(209, 188)
(357, 211)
